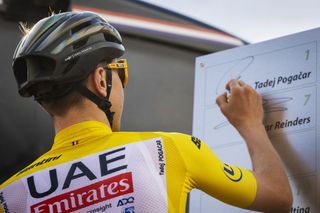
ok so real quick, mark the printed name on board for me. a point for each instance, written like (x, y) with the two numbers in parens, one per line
(271, 83)
(287, 123)
(300, 209)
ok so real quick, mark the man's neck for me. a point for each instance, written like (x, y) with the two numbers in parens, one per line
(77, 115)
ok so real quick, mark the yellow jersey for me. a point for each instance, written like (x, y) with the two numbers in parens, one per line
(92, 169)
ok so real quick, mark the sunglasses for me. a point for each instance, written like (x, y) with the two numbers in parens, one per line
(122, 68)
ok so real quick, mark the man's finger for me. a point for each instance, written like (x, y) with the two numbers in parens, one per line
(222, 100)
(241, 83)
(232, 83)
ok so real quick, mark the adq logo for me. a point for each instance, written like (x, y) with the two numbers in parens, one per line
(232, 172)
(125, 201)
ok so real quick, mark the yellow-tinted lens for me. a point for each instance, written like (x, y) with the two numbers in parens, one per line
(122, 68)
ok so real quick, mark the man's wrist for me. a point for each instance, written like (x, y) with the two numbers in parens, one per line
(249, 129)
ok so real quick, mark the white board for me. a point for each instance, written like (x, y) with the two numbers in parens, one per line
(286, 72)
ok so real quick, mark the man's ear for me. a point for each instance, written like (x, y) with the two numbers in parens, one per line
(99, 81)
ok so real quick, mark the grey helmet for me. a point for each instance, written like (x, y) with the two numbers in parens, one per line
(60, 51)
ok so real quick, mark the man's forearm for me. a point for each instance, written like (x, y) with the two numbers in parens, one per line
(268, 169)
(263, 155)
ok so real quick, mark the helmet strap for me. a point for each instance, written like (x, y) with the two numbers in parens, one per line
(103, 103)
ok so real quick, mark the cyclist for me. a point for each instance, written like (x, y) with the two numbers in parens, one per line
(70, 64)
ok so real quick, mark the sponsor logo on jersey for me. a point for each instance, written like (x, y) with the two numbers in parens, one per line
(88, 195)
(105, 160)
(196, 141)
(129, 210)
(46, 160)
(3, 204)
(232, 172)
(125, 201)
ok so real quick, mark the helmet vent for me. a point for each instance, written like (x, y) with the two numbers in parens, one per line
(80, 27)
(111, 38)
(80, 43)
(39, 67)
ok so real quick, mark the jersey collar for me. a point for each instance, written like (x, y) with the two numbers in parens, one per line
(79, 132)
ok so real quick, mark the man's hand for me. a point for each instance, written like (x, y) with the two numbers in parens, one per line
(243, 107)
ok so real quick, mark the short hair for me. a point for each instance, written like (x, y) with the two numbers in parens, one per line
(60, 106)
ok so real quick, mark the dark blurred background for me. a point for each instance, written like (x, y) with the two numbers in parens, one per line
(159, 96)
